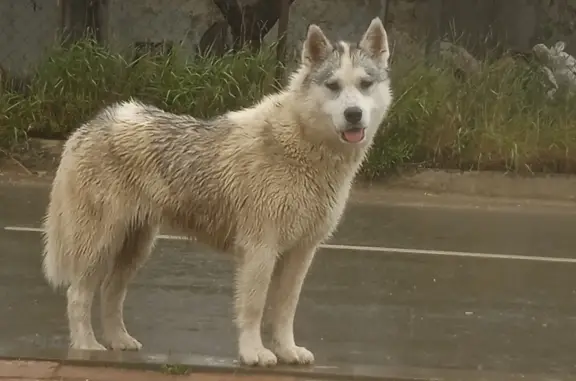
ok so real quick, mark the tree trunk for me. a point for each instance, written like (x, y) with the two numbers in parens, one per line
(81, 19)
(249, 24)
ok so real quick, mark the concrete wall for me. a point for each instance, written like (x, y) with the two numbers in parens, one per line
(182, 22)
(27, 30)
(514, 24)
(185, 21)
(29, 27)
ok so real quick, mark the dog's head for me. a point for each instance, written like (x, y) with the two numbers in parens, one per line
(344, 88)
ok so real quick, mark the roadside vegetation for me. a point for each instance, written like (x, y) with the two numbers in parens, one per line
(498, 118)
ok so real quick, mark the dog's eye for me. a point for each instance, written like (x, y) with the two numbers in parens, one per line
(332, 86)
(366, 83)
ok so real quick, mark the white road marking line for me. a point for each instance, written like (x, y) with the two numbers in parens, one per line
(39, 230)
(379, 249)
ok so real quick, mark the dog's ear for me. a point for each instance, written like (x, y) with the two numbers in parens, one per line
(375, 41)
(316, 46)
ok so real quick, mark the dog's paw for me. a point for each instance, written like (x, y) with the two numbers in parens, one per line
(294, 355)
(123, 342)
(258, 356)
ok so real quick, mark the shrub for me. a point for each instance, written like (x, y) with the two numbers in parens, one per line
(498, 118)
(77, 81)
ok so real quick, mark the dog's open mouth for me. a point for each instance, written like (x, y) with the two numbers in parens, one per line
(353, 135)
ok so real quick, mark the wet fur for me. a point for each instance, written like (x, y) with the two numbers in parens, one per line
(267, 183)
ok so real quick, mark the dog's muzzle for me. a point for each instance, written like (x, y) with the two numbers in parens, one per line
(354, 132)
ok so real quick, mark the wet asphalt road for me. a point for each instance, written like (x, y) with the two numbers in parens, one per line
(414, 309)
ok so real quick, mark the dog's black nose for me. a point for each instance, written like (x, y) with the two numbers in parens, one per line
(353, 114)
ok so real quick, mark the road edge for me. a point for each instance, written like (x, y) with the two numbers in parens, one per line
(469, 183)
(60, 365)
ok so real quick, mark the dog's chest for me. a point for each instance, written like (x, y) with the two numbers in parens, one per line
(312, 216)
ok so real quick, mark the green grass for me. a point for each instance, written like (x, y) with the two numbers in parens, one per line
(74, 83)
(175, 369)
(497, 119)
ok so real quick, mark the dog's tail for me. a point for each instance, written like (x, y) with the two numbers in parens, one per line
(54, 264)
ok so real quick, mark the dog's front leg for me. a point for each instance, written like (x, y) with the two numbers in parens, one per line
(287, 281)
(252, 282)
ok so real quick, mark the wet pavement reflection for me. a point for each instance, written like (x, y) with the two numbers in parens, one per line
(407, 310)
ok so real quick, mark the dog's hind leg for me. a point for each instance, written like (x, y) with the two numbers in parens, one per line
(88, 252)
(80, 295)
(252, 282)
(287, 280)
(135, 250)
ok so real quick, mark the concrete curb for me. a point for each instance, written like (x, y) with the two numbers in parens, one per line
(489, 184)
(61, 364)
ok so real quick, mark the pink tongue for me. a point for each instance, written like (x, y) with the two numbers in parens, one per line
(354, 136)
